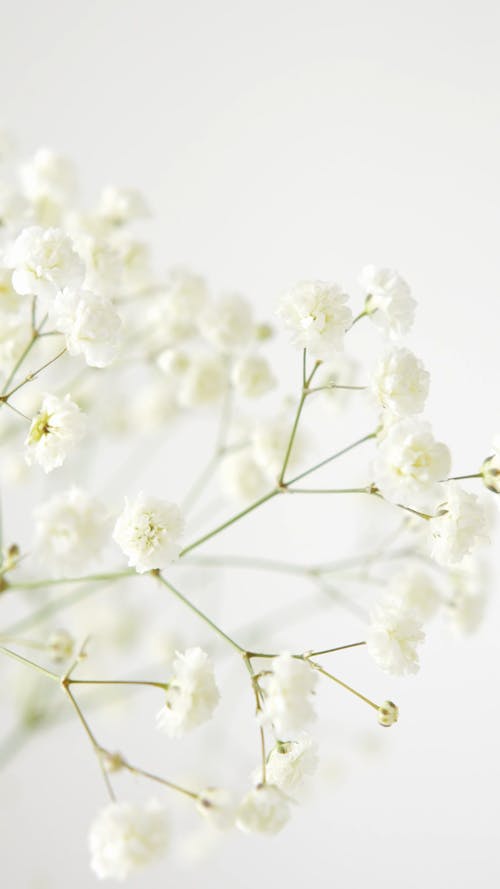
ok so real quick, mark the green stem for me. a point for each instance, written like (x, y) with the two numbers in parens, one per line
(329, 490)
(197, 611)
(343, 685)
(230, 521)
(88, 578)
(335, 456)
(28, 663)
(162, 685)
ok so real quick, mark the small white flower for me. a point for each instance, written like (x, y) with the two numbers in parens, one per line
(460, 525)
(467, 606)
(401, 383)
(413, 590)
(252, 376)
(134, 258)
(217, 806)
(264, 809)
(192, 694)
(126, 837)
(175, 315)
(227, 323)
(148, 531)
(119, 206)
(288, 704)
(389, 302)
(317, 315)
(204, 381)
(90, 324)
(103, 273)
(49, 175)
(56, 428)
(71, 530)
(173, 362)
(392, 640)
(44, 261)
(290, 762)
(242, 477)
(409, 461)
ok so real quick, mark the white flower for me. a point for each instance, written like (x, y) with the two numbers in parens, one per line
(49, 176)
(227, 323)
(264, 809)
(134, 258)
(316, 314)
(148, 531)
(290, 762)
(44, 261)
(459, 526)
(71, 530)
(401, 383)
(13, 206)
(490, 469)
(217, 806)
(103, 272)
(204, 381)
(389, 302)
(288, 703)
(192, 694)
(252, 376)
(409, 461)
(90, 324)
(119, 206)
(175, 316)
(126, 837)
(414, 591)
(467, 605)
(242, 477)
(392, 640)
(56, 428)
(173, 362)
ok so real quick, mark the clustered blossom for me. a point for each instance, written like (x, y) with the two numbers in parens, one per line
(388, 300)
(410, 462)
(291, 762)
(80, 278)
(393, 638)
(71, 529)
(56, 428)
(125, 838)
(317, 316)
(289, 689)
(148, 531)
(264, 809)
(192, 694)
(459, 526)
(401, 383)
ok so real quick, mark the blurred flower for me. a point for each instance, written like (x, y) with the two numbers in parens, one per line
(126, 837)
(192, 694)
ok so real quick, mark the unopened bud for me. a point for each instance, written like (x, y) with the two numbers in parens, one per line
(388, 714)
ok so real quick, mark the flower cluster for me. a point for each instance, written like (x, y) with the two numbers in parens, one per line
(160, 353)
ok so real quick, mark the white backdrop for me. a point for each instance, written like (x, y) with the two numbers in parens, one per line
(275, 141)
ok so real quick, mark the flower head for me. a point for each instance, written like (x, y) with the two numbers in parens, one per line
(192, 694)
(227, 323)
(71, 529)
(289, 688)
(409, 461)
(460, 524)
(217, 806)
(90, 323)
(56, 428)
(290, 762)
(125, 837)
(148, 531)
(389, 302)
(252, 376)
(393, 638)
(401, 383)
(265, 809)
(317, 316)
(44, 261)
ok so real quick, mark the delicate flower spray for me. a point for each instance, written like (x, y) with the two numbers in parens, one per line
(82, 309)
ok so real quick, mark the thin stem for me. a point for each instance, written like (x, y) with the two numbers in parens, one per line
(170, 784)
(335, 456)
(336, 386)
(250, 563)
(305, 388)
(361, 315)
(344, 685)
(22, 357)
(33, 375)
(40, 584)
(197, 611)
(331, 650)
(93, 741)
(329, 490)
(28, 663)
(457, 478)
(231, 521)
(162, 685)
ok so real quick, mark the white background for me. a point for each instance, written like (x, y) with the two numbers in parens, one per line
(275, 141)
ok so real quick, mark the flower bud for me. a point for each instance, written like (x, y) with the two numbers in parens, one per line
(388, 714)
(61, 645)
(490, 473)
